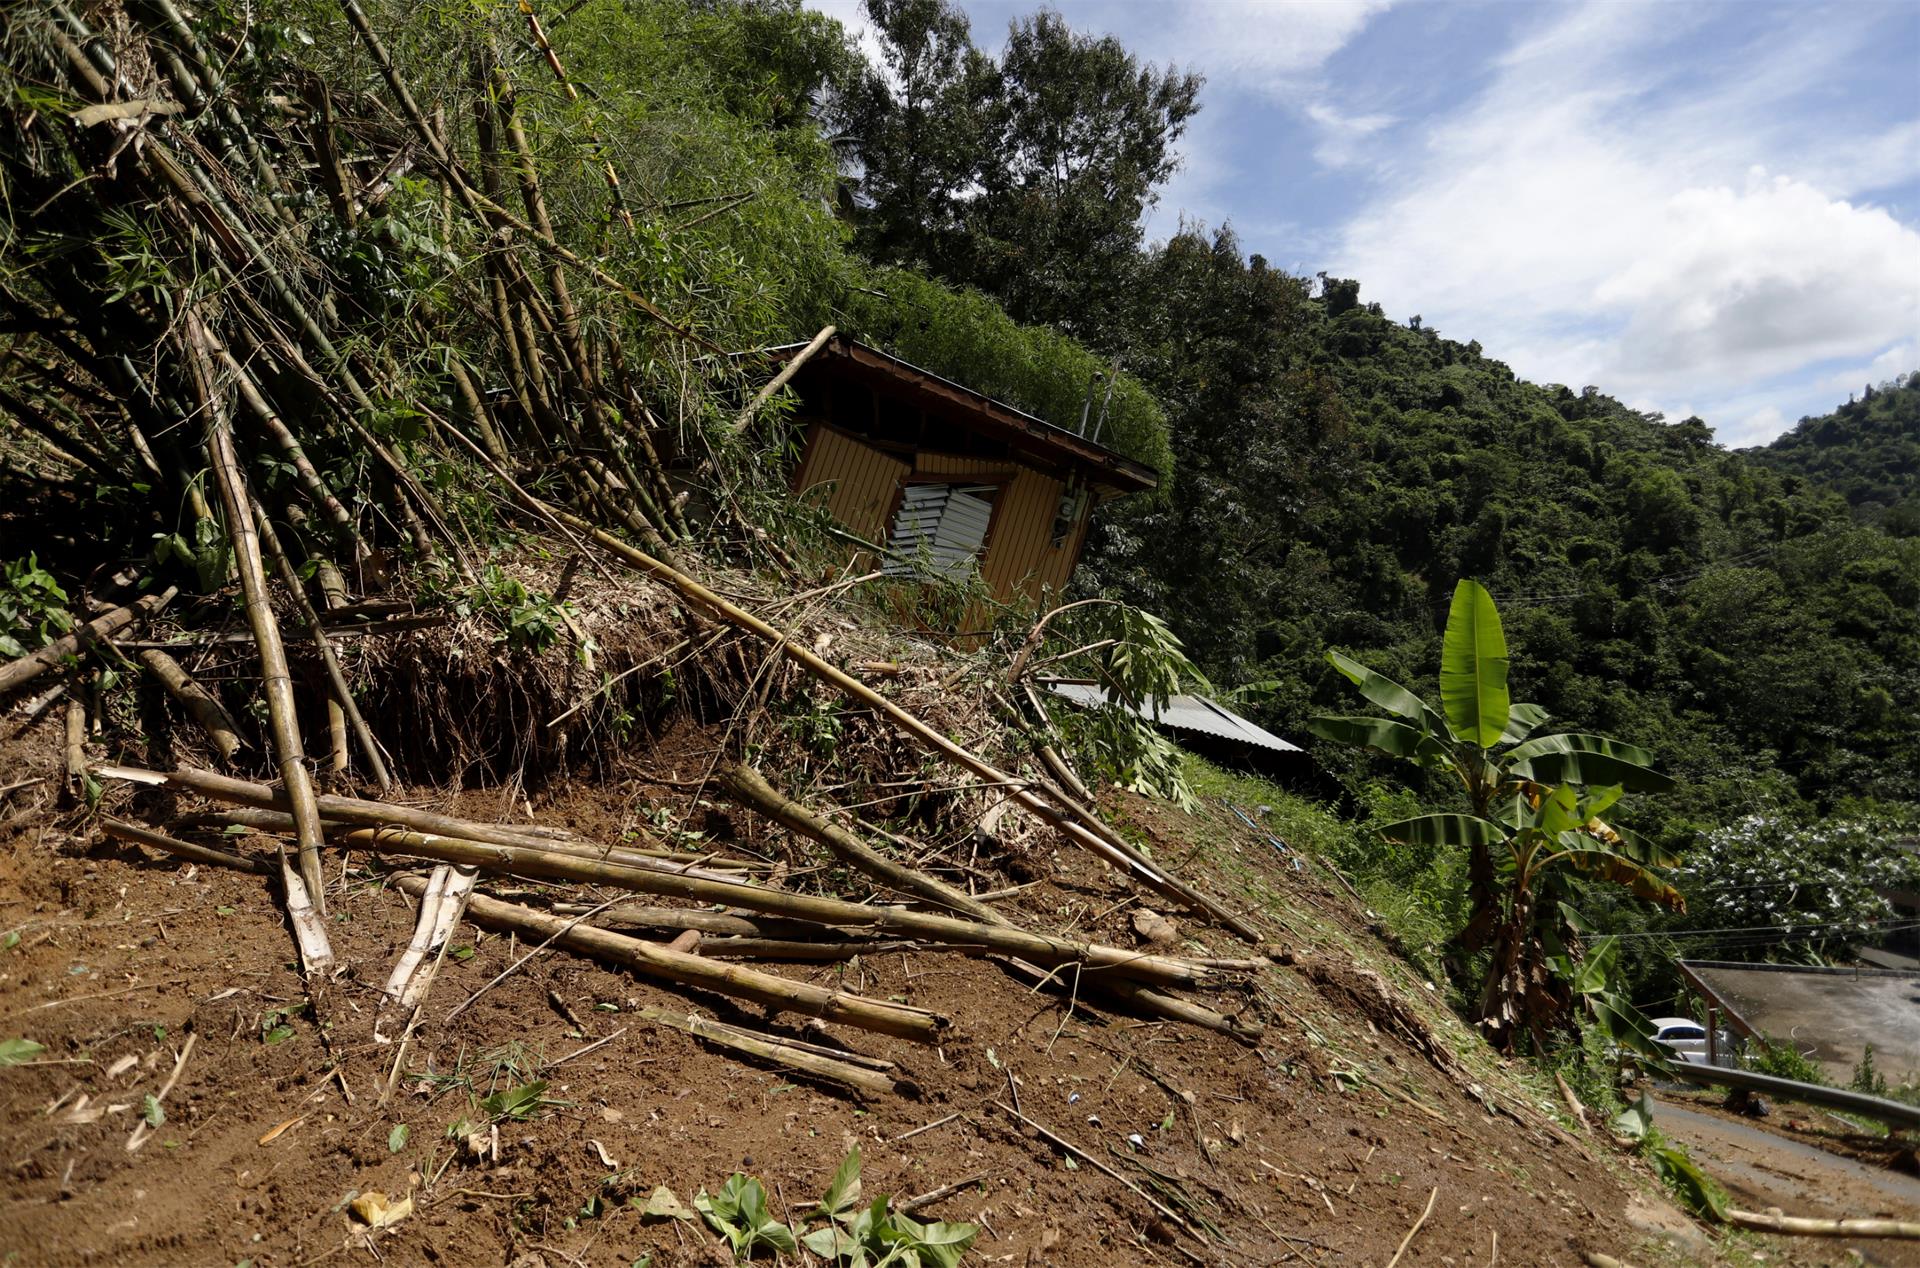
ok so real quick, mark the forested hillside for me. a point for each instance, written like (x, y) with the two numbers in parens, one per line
(1336, 469)
(1868, 449)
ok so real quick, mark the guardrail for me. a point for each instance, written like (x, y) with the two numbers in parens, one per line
(1892, 1113)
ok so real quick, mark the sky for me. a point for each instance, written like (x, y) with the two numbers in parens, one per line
(1701, 208)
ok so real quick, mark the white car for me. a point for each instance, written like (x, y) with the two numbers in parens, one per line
(1687, 1038)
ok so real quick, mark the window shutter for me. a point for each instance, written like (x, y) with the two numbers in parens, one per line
(944, 524)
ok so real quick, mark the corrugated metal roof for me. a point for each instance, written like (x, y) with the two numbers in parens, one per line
(1183, 713)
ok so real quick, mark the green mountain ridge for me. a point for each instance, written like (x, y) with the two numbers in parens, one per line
(1868, 450)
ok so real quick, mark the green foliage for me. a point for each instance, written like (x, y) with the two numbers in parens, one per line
(33, 607)
(1135, 659)
(1533, 834)
(1783, 1059)
(1696, 1190)
(961, 334)
(1868, 451)
(739, 1213)
(525, 618)
(18, 1051)
(516, 1103)
(1026, 176)
(854, 1232)
(1791, 889)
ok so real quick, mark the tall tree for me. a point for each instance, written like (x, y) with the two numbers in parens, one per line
(1027, 177)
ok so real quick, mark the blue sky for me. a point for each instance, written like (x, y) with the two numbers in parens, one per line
(1700, 208)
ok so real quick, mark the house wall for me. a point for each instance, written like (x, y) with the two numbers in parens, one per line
(863, 490)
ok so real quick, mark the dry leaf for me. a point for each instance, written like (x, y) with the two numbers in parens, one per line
(282, 1129)
(373, 1209)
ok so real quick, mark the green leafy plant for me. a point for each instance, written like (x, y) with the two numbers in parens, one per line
(516, 1103)
(739, 1213)
(18, 1051)
(854, 1231)
(33, 607)
(1534, 829)
(1696, 1190)
(1133, 657)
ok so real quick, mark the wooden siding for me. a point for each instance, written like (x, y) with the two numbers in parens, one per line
(863, 483)
(1020, 557)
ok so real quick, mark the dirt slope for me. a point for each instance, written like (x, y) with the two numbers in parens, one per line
(1319, 1145)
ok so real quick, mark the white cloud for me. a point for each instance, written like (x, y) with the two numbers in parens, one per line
(1595, 217)
(1342, 135)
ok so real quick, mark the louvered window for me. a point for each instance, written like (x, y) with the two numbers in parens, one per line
(940, 529)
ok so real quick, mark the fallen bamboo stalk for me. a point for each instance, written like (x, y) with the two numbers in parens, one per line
(930, 738)
(339, 629)
(750, 787)
(792, 949)
(33, 664)
(928, 1198)
(76, 745)
(207, 713)
(785, 1054)
(780, 380)
(548, 864)
(649, 960)
(580, 861)
(277, 681)
(1802, 1226)
(724, 923)
(281, 821)
(121, 830)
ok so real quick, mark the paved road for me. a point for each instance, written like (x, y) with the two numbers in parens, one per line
(1762, 1169)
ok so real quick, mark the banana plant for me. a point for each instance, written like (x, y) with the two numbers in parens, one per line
(1535, 804)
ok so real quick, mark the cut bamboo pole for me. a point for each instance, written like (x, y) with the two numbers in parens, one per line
(282, 718)
(770, 1049)
(76, 745)
(551, 859)
(545, 862)
(780, 380)
(650, 960)
(1802, 1226)
(121, 830)
(206, 712)
(725, 924)
(341, 694)
(929, 738)
(33, 664)
(750, 787)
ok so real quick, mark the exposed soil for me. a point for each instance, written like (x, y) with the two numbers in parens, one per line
(1320, 1145)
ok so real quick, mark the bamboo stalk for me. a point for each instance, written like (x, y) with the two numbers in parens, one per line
(1805, 1227)
(207, 712)
(679, 918)
(277, 681)
(76, 744)
(121, 830)
(929, 738)
(649, 960)
(770, 1049)
(780, 380)
(751, 787)
(548, 863)
(33, 664)
(342, 695)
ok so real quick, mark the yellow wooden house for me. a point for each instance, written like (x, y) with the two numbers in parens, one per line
(941, 479)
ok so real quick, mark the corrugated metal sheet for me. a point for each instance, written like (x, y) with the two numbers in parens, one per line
(940, 525)
(1184, 713)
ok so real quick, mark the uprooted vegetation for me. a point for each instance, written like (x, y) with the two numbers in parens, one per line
(458, 794)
